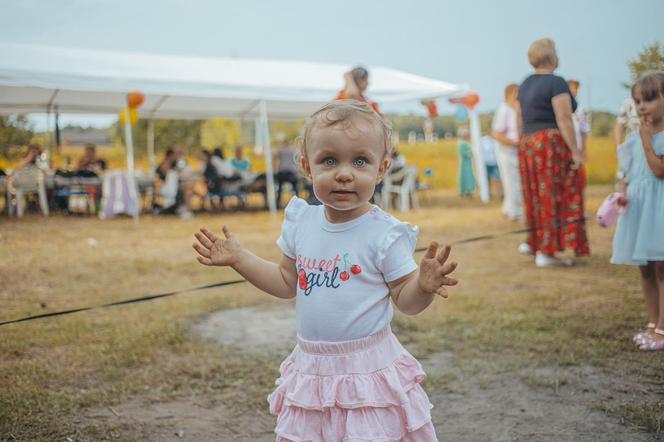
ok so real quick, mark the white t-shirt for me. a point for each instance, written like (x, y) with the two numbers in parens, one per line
(343, 269)
(489, 146)
(581, 125)
(504, 121)
(222, 166)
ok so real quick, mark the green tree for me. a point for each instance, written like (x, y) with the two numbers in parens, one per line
(167, 133)
(15, 131)
(602, 123)
(651, 58)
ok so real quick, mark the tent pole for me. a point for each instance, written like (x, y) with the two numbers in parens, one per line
(269, 175)
(480, 168)
(131, 177)
(51, 134)
(151, 157)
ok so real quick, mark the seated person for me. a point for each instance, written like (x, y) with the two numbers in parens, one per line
(287, 170)
(241, 166)
(175, 192)
(223, 167)
(31, 157)
(88, 165)
(208, 172)
(229, 178)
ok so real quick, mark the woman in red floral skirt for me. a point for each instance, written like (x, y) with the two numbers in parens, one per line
(550, 163)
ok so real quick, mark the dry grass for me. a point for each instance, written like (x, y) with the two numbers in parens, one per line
(505, 313)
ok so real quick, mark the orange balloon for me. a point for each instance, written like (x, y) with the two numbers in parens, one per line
(135, 99)
(471, 99)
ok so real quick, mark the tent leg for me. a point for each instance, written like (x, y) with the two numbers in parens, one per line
(131, 176)
(151, 157)
(267, 150)
(482, 178)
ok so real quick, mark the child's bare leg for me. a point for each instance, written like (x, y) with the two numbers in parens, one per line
(659, 276)
(651, 292)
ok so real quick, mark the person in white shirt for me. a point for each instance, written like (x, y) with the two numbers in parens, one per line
(489, 148)
(579, 118)
(504, 129)
(346, 262)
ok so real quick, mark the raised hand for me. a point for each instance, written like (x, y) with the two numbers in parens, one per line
(645, 130)
(434, 270)
(214, 250)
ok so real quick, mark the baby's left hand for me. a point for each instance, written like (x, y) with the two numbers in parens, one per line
(433, 270)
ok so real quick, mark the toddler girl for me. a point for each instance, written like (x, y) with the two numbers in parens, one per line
(639, 237)
(348, 377)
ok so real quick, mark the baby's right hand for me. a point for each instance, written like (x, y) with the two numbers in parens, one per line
(214, 250)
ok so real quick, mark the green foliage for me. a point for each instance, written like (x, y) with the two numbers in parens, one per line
(14, 131)
(167, 133)
(602, 123)
(651, 58)
(444, 124)
(220, 132)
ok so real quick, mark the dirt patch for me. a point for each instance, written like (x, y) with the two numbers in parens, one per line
(546, 404)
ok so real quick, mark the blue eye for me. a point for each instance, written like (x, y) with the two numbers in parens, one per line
(360, 162)
(329, 161)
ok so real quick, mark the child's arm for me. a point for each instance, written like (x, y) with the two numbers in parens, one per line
(275, 279)
(414, 292)
(656, 163)
(622, 201)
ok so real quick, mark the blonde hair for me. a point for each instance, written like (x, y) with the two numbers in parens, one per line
(542, 52)
(344, 112)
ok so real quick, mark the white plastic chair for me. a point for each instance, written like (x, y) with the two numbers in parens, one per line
(403, 185)
(22, 182)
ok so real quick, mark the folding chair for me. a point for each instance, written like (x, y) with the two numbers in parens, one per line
(23, 182)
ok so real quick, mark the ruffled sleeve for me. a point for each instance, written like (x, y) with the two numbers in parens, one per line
(625, 154)
(292, 213)
(395, 256)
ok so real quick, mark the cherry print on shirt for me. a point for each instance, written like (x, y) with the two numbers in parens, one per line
(302, 279)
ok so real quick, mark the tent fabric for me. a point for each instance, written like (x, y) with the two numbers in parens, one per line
(39, 78)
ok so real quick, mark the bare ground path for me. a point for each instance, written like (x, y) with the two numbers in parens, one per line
(543, 404)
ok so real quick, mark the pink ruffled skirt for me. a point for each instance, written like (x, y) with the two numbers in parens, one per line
(366, 389)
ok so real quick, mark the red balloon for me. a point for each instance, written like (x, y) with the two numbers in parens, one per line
(432, 109)
(135, 99)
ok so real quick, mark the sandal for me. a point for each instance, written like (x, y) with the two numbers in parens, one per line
(644, 335)
(652, 344)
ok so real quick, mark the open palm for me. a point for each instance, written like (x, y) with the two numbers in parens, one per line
(434, 270)
(214, 250)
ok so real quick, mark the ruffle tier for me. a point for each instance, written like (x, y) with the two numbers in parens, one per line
(375, 404)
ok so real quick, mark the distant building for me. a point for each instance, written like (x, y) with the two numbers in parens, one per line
(79, 136)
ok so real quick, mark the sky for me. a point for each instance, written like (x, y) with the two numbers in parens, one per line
(479, 42)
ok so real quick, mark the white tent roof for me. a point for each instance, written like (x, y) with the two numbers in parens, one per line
(34, 78)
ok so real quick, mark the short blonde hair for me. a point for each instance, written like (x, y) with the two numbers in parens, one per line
(344, 112)
(542, 52)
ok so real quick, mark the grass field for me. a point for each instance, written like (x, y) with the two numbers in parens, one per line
(504, 314)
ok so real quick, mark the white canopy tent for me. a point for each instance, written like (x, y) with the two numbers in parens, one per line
(45, 79)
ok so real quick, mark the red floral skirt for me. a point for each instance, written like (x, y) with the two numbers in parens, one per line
(552, 194)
